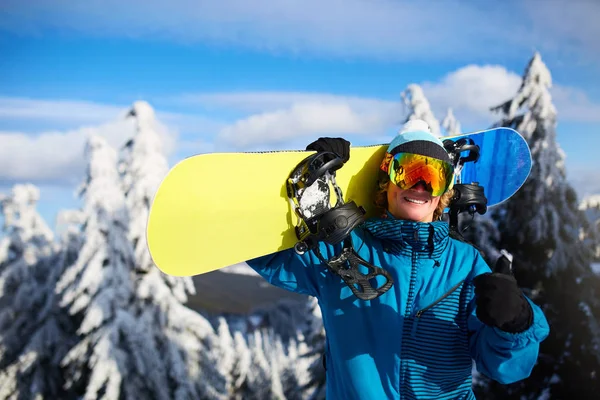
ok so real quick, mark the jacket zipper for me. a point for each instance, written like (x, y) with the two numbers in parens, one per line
(411, 296)
(421, 311)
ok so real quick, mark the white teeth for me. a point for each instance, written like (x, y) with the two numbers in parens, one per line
(415, 201)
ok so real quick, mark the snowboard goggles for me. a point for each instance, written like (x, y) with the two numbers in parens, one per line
(407, 169)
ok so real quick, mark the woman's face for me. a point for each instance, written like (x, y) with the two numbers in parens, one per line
(415, 204)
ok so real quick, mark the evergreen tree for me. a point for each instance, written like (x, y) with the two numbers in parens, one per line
(451, 124)
(417, 107)
(315, 339)
(541, 226)
(259, 377)
(590, 205)
(69, 225)
(551, 228)
(241, 367)
(114, 357)
(184, 338)
(295, 374)
(34, 334)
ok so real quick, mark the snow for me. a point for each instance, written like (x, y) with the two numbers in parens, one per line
(546, 229)
(160, 297)
(142, 166)
(554, 219)
(314, 198)
(98, 286)
(451, 124)
(590, 206)
(590, 201)
(111, 325)
(418, 107)
(240, 268)
(27, 252)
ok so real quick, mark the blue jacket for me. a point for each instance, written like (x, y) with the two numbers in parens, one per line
(419, 339)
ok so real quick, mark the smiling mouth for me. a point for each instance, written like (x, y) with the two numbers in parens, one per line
(415, 201)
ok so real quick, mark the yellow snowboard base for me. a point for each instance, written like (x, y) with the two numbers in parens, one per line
(216, 210)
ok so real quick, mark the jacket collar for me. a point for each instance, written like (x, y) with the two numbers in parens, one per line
(406, 237)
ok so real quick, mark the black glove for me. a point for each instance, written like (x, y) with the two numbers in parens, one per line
(338, 146)
(499, 300)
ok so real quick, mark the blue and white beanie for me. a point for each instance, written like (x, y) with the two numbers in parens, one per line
(416, 137)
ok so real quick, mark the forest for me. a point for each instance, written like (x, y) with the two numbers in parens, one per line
(85, 314)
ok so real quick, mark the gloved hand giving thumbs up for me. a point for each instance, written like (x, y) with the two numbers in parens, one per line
(499, 300)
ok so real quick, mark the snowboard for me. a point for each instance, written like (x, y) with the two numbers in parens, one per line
(219, 209)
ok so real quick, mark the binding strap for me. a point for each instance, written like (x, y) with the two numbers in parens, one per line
(346, 265)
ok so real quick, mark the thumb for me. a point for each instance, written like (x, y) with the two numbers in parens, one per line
(504, 263)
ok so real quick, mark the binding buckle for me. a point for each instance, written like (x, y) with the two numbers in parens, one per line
(308, 190)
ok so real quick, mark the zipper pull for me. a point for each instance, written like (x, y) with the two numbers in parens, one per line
(416, 323)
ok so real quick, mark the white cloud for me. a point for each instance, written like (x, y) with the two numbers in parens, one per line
(265, 120)
(309, 118)
(71, 118)
(566, 28)
(584, 179)
(53, 157)
(57, 156)
(61, 111)
(471, 91)
(574, 105)
(257, 101)
(279, 117)
(382, 28)
(75, 113)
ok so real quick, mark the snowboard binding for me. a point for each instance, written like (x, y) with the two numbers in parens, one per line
(309, 192)
(455, 150)
(467, 197)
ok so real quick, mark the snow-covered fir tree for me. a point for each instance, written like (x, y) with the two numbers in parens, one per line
(590, 205)
(541, 226)
(259, 360)
(116, 356)
(97, 291)
(34, 333)
(69, 226)
(451, 124)
(241, 366)
(551, 224)
(315, 339)
(143, 165)
(265, 378)
(483, 233)
(272, 370)
(288, 318)
(417, 107)
(294, 323)
(184, 337)
(295, 371)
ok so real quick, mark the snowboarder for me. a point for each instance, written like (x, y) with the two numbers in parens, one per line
(446, 307)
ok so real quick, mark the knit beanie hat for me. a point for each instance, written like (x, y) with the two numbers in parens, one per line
(416, 137)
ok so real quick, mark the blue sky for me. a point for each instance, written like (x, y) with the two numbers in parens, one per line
(239, 75)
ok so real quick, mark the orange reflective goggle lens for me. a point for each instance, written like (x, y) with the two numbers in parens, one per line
(406, 170)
